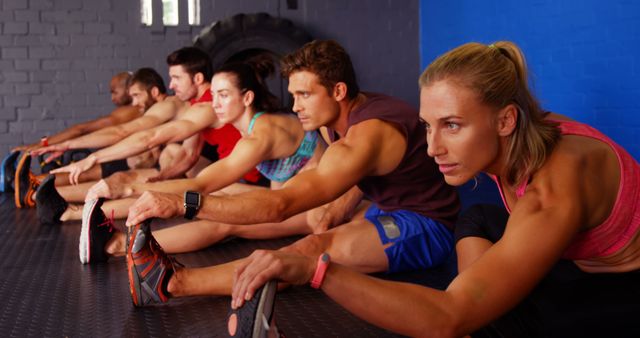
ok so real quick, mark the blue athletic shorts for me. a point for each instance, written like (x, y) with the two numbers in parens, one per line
(419, 242)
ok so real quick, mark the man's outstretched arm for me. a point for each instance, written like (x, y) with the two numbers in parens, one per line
(373, 148)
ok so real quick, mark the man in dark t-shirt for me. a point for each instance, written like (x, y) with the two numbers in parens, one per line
(377, 149)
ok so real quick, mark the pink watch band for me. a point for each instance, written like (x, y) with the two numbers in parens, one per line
(321, 270)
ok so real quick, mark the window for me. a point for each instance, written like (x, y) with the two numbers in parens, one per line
(194, 12)
(170, 12)
(146, 13)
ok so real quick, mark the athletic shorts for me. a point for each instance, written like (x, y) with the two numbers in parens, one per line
(419, 242)
(108, 168)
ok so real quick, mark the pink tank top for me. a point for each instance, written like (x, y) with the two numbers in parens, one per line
(613, 245)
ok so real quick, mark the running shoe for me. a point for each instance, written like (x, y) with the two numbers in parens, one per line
(253, 319)
(25, 183)
(8, 171)
(49, 204)
(148, 266)
(96, 231)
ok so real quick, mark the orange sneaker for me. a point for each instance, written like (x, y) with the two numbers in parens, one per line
(25, 182)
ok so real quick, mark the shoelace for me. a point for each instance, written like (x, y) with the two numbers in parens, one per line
(109, 221)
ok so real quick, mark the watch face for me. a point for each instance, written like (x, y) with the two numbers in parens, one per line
(192, 198)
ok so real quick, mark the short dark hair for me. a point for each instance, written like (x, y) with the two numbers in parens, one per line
(194, 61)
(328, 60)
(148, 78)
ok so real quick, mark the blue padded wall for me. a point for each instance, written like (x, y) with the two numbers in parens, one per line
(584, 55)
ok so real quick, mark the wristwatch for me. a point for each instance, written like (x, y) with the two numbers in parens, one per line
(191, 203)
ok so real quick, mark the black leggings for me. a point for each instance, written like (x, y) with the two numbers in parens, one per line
(567, 302)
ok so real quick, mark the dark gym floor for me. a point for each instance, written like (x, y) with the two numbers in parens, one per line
(46, 292)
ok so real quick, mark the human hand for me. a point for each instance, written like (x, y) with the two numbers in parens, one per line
(56, 149)
(264, 265)
(155, 204)
(157, 178)
(77, 168)
(113, 187)
(323, 218)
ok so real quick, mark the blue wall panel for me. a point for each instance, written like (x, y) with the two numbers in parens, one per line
(584, 56)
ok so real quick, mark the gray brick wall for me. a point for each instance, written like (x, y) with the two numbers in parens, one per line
(56, 57)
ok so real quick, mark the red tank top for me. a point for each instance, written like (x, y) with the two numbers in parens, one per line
(225, 138)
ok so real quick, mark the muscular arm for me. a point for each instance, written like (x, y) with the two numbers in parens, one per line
(118, 116)
(248, 152)
(367, 153)
(195, 119)
(156, 115)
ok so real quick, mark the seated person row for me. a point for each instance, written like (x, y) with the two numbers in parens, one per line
(375, 142)
(124, 112)
(272, 141)
(562, 261)
(173, 122)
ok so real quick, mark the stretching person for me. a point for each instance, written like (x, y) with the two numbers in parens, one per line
(563, 263)
(377, 143)
(187, 67)
(154, 88)
(147, 88)
(273, 142)
(121, 114)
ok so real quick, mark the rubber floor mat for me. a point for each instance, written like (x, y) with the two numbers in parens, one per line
(46, 292)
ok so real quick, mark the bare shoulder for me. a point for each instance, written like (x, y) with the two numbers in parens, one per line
(125, 113)
(279, 135)
(383, 142)
(582, 170)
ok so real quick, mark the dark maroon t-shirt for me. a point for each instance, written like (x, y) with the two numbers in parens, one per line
(415, 184)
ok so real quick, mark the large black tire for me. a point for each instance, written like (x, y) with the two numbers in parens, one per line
(242, 35)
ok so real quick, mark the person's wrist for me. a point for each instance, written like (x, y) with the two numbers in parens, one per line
(322, 265)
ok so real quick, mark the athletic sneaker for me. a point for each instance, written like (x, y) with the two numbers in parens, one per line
(25, 183)
(254, 317)
(148, 265)
(45, 168)
(49, 204)
(96, 231)
(8, 171)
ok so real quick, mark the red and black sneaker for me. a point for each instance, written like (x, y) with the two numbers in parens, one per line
(96, 231)
(25, 183)
(148, 266)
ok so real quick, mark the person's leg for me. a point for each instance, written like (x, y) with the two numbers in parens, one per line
(355, 244)
(77, 193)
(118, 208)
(197, 235)
(477, 229)
(91, 175)
(74, 193)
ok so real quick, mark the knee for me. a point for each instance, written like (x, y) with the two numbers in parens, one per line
(311, 245)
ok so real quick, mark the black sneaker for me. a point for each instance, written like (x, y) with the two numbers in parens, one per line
(49, 204)
(148, 266)
(8, 172)
(253, 319)
(25, 183)
(96, 231)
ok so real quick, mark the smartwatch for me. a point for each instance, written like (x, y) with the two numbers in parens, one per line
(191, 203)
(321, 270)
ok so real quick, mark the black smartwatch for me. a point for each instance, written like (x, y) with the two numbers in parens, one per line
(191, 204)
